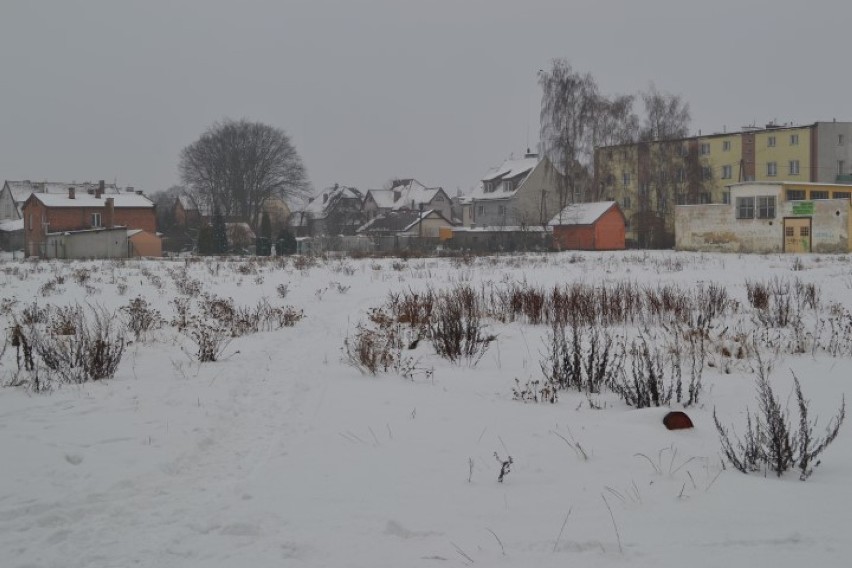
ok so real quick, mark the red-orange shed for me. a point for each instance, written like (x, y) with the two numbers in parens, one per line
(589, 226)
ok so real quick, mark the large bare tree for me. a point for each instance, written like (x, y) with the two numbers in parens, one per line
(237, 165)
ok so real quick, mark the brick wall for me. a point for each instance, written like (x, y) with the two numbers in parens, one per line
(58, 219)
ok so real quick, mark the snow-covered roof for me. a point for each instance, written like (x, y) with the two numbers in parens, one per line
(581, 213)
(382, 197)
(12, 225)
(404, 194)
(120, 200)
(21, 190)
(190, 204)
(400, 221)
(318, 206)
(508, 170)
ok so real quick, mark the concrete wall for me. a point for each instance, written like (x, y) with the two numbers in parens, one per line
(715, 227)
(106, 243)
(829, 151)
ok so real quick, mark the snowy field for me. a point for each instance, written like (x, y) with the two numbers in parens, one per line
(284, 453)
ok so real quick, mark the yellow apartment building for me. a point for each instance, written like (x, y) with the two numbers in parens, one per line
(648, 179)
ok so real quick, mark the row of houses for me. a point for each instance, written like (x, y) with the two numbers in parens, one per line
(514, 206)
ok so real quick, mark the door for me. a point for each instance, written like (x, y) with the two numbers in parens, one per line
(797, 234)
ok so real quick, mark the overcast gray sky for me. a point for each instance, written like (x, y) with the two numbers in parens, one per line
(368, 90)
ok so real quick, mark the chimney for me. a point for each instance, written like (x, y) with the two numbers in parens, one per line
(100, 190)
(109, 212)
(71, 193)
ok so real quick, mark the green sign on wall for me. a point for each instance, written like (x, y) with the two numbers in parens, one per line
(803, 208)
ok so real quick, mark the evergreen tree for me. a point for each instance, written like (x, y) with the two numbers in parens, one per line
(264, 242)
(220, 232)
(286, 243)
(205, 239)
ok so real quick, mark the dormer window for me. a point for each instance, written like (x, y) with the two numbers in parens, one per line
(508, 185)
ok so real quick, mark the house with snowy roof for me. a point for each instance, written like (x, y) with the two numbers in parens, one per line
(406, 222)
(15, 193)
(74, 225)
(189, 212)
(519, 193)
(407, 194)
(335, 211)
(589, 226)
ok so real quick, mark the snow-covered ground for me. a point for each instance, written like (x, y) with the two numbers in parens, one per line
(283, 454)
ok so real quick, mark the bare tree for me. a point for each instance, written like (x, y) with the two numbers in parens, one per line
(575, 119)
(238, 165)
(669, 167)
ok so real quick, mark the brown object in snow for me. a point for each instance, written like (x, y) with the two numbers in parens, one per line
(677, 420)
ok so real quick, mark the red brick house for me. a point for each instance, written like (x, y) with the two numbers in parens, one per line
(589, 226)
(46, 215)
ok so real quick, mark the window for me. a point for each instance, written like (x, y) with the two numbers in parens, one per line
(804, 231)
(488, 186)
(789, 232)
(727, 172)
(726, 145)
(745, 207)
(766, 207)
(625, 178)
(625, 202)
(704, 149)
(726, 197)
(841, 195)
(706, 173)
(794, 140)
(663, 203)
(508, 185)
(680, 175)
(480, 210)
(819, 194)
(772, 169)
(770, 142)
(705, 198)
(96, 219)
(30, 221)
(684, 151)
(794, 167)
(501, 210)
(680, 199)
(438, 198)
(795, 194)
(840, 140)
(841, 167)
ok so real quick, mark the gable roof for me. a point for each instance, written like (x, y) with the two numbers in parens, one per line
(510, 169)
(404, 194)
(400, 221)
(319, 206)
(582, 213)
(189, 204)
(382, 197)
(120, 200)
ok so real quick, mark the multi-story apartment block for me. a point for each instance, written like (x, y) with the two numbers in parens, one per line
(649, 178)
